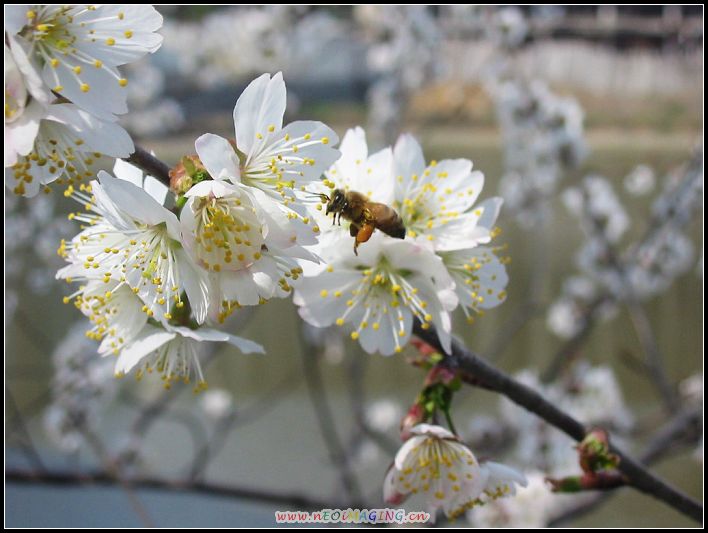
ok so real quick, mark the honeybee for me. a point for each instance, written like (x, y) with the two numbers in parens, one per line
(364, 215)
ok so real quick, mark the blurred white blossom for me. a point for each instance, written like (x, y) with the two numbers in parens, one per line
(216, 403)
(507, 27)
(152, 113)
(82, 387)
(640, 181)
(383, 414)
(402, 53)
(543, 138)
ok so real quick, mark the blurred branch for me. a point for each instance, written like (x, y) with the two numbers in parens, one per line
(686, 426)
(640, 321)
(571, 346)
(654, 361)
(477, 372)
(519, 318)
(295, 500)
(113, 469)
(239, 417)
(653, 358)
(151, 413)
(361, 428)
(204, 455)
(27, 443)
(325, 418)
(655, 226)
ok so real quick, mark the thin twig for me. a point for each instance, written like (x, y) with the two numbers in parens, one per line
(27, 445)
(237, 418)
(571, 346)
(530, 305)
(112, 468)
(654, 361)
(519, 318)
(325, 418)
(478, 372)
(294, 500)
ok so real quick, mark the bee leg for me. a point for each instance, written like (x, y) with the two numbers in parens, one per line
(363, 234)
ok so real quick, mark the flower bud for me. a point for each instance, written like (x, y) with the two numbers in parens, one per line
(423, 347)
(183, 174)
(415, 415)
(439, 374)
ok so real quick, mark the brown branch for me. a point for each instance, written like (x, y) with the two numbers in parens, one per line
(476, 371)
(294, 500)
(684, 427)
(150, 164)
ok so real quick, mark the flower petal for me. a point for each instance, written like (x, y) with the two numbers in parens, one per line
(260, 106)
(137, 203)
(408, 158)
(149, 340)
(218, 157)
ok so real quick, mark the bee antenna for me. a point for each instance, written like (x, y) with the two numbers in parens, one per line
(318, 195)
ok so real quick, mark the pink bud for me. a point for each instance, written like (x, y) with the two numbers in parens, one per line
(439, 374)
(182, 173)
(415, 416)
(423, 347)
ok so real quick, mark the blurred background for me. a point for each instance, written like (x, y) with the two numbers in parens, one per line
(587, 120)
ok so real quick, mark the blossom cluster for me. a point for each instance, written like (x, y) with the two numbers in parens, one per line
(612, 271)
(445, 260)
(30, 255)
(402, 54)
(81, 389)
(64, 91)
(543, 137)
(270, 37)
(152, 282)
